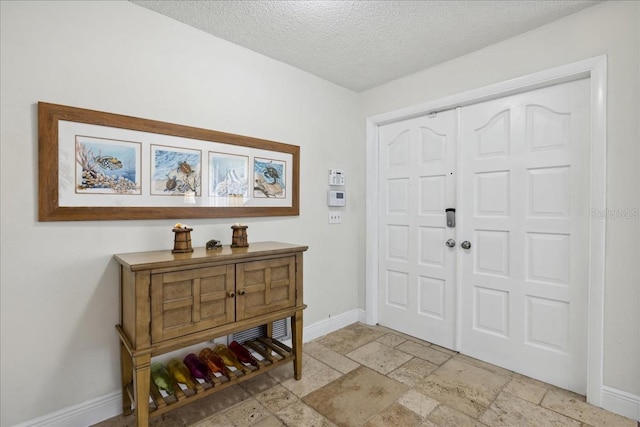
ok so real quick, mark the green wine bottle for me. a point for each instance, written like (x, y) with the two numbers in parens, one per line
(161, 378)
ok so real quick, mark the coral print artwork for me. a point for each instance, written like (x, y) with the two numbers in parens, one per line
(269, 180)
(107, 166)
(175, 171)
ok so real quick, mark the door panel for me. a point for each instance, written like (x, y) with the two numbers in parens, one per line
(189, 301)
(524, 191)
(264, 286)
(416, 269)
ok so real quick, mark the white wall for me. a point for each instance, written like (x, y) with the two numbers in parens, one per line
(610, 28)
(59, 284)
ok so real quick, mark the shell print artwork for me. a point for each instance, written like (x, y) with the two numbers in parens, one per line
(228, 175)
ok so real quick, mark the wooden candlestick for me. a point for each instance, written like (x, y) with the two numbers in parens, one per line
(182, 240)
(239, 237)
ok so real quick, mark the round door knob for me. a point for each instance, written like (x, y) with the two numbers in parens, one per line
(466, 244)
(450, 243)
(231, 294)
(241, 292)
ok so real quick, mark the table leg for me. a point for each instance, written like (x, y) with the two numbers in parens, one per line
(142, 381)
(296, 340)
(126, 369)
(269, 327)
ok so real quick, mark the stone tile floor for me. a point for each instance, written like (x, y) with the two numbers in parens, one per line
(373, 376)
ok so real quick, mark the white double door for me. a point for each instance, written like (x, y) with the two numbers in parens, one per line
(515, 169)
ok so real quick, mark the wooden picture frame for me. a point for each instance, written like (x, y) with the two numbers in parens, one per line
(103, 166)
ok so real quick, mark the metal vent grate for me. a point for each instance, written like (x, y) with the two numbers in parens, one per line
(281, 332)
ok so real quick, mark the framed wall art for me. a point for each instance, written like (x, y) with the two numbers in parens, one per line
(228, 175)
(102, 166)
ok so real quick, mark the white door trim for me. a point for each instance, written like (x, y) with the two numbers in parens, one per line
(594, 68)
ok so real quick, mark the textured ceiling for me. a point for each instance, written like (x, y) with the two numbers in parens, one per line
(362, 44)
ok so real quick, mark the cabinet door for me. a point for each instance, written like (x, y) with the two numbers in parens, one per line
(187, 301)
(265, 286)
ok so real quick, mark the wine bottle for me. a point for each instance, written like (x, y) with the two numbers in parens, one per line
(196, 367)
(229, 357)
(243, 354)
(214, 362)
(161, 377)
(180, 373)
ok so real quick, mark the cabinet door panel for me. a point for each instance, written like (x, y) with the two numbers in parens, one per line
(265, 286)
(189, 301)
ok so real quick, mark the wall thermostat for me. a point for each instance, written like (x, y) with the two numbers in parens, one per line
(337, 198)
(336, 177)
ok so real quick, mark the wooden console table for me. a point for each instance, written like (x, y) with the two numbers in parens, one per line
(170, 301)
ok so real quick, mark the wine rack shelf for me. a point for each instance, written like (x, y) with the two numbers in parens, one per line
(171, 301)
(274, 354)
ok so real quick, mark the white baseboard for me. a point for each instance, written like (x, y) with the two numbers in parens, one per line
(331, 324)
(82, 414)
(110, 405)
(362, 316)
(621, 402)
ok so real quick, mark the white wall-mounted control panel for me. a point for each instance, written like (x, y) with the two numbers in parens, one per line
(337, 198)
(336, 177)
